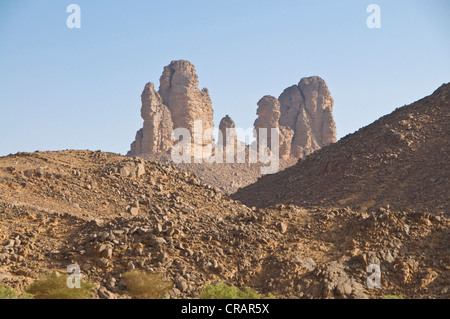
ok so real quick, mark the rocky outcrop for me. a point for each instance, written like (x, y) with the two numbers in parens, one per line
(268, 116)
(187, 104)
(233, 150)
(268, 112)
(227, 129)
(286, 134)
(303, 116)
(307, 109)
(178, 104)
(155, 136)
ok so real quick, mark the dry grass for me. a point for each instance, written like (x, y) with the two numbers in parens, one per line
(54, 286)
(223, 291)
(144, 285)
(8, 293)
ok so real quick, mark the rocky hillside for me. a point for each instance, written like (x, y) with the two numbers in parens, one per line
(399, 161)
(227, 177)
(110, 214)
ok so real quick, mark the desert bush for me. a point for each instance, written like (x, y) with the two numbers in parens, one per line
(53, 286)
(393, 297)
(145, 285)
(8, 293)
(223, 291)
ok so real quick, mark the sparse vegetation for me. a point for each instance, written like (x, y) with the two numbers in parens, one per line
(223, 291)
(393, 297)
(145, 285)
(54, 286)
(8, 293)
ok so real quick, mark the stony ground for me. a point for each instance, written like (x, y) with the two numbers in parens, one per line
(110, 214)
(227, 177)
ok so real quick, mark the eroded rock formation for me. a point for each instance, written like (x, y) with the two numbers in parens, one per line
(268, 116)
(178, 104)
(303, 116)
(155, 136)
(187, 104)
(227, 128)
(307, 109)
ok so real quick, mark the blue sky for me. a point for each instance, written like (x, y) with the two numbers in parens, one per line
(66, 88)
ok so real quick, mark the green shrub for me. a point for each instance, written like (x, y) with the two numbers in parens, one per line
(26, 295)
(223, 291)
(54, 286)
(8, 293)
(393, 297)
(145, 285)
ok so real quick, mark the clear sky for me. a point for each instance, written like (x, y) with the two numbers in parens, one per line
(64, 88)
